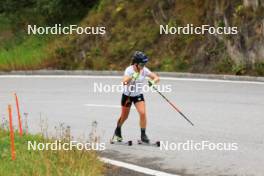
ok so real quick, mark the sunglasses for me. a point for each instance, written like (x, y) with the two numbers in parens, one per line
(142, 64)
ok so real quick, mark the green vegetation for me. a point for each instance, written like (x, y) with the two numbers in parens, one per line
(18, 51)
(259, 68)
(133, 25)
(31, 53)
(43, 12)
(48, 162)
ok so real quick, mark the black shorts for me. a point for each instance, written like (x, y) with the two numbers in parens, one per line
(127, 101)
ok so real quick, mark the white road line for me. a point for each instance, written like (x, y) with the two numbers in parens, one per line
(118, 77)
(60, 76)
(105, 106)
(211, 80)
(136, 168)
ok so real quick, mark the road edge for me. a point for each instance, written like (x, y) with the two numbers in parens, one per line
(135, 168)
(118, 73)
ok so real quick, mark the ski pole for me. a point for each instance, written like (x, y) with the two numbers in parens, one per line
(173, 106)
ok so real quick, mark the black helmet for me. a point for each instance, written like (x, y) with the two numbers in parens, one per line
(139, 57)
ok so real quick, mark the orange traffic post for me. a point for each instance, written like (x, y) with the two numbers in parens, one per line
(12, 137)
(18, 116)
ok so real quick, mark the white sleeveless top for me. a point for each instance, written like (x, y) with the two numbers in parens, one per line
(135, 87)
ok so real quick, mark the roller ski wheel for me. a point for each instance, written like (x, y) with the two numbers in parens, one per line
(127, 143)
(154, 144)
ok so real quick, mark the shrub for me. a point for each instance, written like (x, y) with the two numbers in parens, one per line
(259, 67)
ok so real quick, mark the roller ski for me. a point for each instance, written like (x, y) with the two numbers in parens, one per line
(145, 141)
(128, 143)
(154, 144)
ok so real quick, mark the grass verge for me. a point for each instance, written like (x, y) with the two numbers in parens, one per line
(32, 52)
(36, 163)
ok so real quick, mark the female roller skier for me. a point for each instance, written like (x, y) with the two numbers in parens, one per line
(134, 78)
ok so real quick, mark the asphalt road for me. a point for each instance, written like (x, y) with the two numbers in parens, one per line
(223, 112)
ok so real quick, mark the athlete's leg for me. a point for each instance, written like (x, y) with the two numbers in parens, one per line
(125, 109)
(124, 115)
(141, 108)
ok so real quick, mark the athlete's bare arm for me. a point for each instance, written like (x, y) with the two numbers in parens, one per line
(154, 77)
(126, 79)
